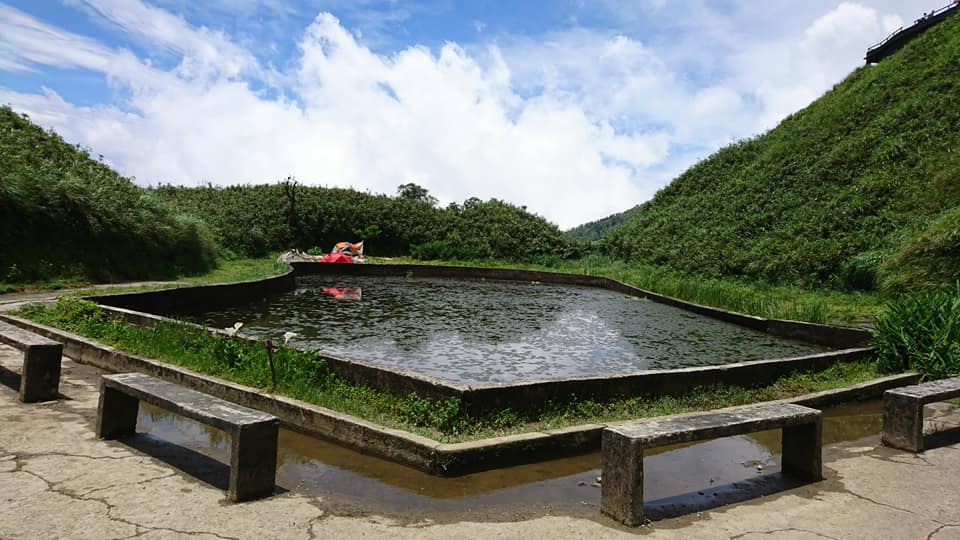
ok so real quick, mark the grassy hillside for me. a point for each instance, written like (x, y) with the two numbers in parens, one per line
(859, 190)
(596, 230)
(252, 220)
(63, 214)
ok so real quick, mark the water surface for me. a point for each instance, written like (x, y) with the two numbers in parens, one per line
(486, 331)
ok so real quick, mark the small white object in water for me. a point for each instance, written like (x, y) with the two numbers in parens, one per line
(232, 330)
(288, 336)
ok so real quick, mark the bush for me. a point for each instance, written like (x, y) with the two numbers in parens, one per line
(928, 259)
(921, 333)
(860, 271)
(445, 250)
(63, 214)
(255, 219)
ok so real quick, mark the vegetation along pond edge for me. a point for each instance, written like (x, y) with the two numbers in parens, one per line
(442, 459)
(147, 307)
(448, 459)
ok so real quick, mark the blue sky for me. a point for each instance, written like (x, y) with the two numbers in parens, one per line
(576, 109)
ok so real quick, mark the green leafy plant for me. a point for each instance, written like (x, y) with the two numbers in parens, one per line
(922, 333)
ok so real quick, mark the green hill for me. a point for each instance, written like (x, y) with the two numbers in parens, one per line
(596, 230)
(65, 215)
(253, 220)
(859, 190)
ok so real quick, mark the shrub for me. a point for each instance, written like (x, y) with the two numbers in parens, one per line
(928, 259)
(860, 271)
(921, 333)
(446, 250)
(64, 214)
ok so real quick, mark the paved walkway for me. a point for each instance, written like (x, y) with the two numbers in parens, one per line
(14, 301)
(58, 481)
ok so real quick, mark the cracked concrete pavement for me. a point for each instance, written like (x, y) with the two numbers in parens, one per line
(57, 480)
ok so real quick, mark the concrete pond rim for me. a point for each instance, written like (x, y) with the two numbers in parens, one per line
(451, 459)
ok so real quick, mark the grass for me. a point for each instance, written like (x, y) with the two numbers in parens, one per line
(922, 333)
(303, 375)
(856, 191)
(699, 399)
(64, 214)
(227, 271)
(755, 298)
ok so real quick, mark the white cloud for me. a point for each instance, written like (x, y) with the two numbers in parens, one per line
(574, 124)
(786, 76)
(25, 41)
(205, 53)
(447, 121)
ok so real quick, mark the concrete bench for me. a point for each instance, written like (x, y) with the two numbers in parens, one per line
(40, 376)
(253, 449)
(621, 494)
(903, 411)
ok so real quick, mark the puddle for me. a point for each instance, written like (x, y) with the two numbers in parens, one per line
(677, 478)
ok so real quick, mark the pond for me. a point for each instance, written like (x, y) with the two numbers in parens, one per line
(486, 331)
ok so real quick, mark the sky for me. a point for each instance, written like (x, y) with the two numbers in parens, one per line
(575, 109)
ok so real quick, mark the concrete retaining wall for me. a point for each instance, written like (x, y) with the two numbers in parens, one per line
(426, 454)
(522, 396)
(533, 395)
(200, 297)
(652, 383)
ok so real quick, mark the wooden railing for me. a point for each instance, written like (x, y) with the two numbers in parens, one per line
(901, 36)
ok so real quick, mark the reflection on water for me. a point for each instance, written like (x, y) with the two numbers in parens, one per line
(475, 331)
(675, 476)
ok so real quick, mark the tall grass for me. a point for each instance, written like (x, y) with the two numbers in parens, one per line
(66, 215)
(857, 191)
(921, 333)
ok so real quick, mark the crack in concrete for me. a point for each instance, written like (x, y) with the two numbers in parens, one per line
(310, 532)
(878, 503)
(788, 529)
(935, 531)
(924, 459)
(51, 486)
(81, 456)
(134, 535)
(137, 483)
(899, 462)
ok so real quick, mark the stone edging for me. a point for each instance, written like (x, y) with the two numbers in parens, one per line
(524, 395)
(443, 459)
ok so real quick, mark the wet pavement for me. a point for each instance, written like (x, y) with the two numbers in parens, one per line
(695, 476)
(58, 481)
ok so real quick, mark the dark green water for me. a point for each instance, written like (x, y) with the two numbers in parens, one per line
(475, 331)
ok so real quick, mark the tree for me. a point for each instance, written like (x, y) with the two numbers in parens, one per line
(413, 192)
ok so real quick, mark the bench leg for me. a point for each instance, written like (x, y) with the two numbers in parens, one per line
(253, 461)
(40, 379)
(621, 491)
(802, 451)
(116, 413)
(902, 422)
